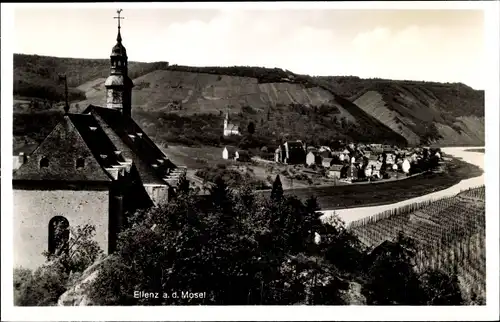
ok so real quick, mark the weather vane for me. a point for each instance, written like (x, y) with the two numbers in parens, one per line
(119, 18)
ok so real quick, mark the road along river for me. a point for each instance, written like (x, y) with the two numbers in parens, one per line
(476, 158)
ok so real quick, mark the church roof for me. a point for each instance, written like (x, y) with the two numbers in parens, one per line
(105, 139)
(119, 50)
(61, 148)
(115, 80)
(152, 164)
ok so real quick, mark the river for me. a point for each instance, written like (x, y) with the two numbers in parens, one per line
(476, 158)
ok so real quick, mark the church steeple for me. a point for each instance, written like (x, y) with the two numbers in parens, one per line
(118, 84)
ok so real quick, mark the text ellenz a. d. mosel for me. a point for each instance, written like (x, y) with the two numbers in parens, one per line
(171, 295)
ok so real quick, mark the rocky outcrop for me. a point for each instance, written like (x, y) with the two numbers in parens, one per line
(77, 293)
(420, 118)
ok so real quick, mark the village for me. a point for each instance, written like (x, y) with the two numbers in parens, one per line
(354, 162)
(303, 165)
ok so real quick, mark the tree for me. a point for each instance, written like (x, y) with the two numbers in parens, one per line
(45, 285)
(391, 276)
(183, 186)
(81, 250)
(251, 128)
(440, 288)
(277, 191)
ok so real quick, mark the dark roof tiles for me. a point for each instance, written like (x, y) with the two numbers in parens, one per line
(60, 150)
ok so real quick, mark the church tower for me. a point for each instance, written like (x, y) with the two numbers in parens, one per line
(226, 121)
(118, 84)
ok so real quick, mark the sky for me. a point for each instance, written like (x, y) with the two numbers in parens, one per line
(431, 45)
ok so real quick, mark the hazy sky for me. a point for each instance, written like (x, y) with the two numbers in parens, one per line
(434, 45)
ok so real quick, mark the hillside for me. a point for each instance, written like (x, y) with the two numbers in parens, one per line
(444, 114)
(186, 104)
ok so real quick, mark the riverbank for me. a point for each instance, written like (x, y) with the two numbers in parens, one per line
(475, 150)
(381, 193)
(466, 172)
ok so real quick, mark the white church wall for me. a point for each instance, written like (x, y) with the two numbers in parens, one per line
(33, 210)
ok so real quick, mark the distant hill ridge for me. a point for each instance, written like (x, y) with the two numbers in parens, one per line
(275, 99)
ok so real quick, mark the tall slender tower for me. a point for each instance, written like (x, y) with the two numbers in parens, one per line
(118, 84)
(226, 121)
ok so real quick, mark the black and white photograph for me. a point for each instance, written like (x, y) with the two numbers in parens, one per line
(250, 155)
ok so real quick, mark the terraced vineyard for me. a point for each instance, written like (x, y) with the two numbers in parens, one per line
(450, 234)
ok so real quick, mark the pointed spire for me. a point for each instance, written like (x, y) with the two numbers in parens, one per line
(119, 36)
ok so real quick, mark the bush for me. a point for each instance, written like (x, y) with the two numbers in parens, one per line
(45, 285)
(41, 288)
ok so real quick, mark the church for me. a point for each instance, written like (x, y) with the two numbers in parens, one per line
(96, 167)
(229, 128)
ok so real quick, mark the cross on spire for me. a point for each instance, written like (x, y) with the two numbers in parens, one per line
(119, 18)
(119, 37)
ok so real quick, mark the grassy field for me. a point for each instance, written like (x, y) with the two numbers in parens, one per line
(379, 193)
(196, 158)
(450, 235)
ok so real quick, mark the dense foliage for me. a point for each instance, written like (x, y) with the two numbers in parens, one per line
(262, 74)
(38, 76)
(236, 248)
(232, 176)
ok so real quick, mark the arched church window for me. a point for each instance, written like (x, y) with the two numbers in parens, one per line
(80, 163)
(119, 63)
(44, 162)
(58, 235)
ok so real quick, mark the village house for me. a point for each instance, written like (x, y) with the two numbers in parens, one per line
(97, 167)
(242, 156)
(406, 166)
(336, 157)
(335, 171)
(311, 149)
(325, 154)
(375, 166)
(352, 172)
(327, 162)
(313, 157)
(229, 152)
(368, 170)
(390, 158)
(324, 148)
(344, 155)
(291, 152)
